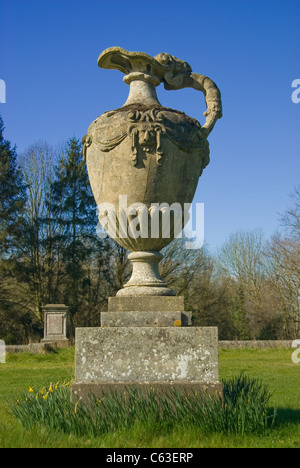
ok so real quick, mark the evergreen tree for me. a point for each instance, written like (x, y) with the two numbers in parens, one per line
(12, 197)
(12, 202)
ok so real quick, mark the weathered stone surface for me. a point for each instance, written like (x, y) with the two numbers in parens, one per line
(37, 348)
(146, 319)
(82, 390)
(145, 279)
(140, 304)
(55, 323)
(155, 311)
(255, 344)
(133, 354)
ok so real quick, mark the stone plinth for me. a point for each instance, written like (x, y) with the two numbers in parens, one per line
(55, 323)
(145, 319)
(142, 342)
(138, 304)
(155, 311)
(111, 358)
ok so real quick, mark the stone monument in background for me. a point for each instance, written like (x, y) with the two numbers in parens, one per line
(144, 162)
(56, 324)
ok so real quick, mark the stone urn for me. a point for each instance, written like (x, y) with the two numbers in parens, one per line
(144, 161)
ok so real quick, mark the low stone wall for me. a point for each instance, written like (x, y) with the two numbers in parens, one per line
(37, 348)
(43, 348)
(255, 344)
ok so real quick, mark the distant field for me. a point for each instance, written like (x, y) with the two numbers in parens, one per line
(273, 366)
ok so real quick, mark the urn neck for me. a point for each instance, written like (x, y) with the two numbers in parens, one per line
(142, 92)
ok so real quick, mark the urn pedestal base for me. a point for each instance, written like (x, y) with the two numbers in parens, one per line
(153, 311)
(145, 279)
(112, 357)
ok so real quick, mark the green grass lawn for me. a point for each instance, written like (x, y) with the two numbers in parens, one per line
(272, 366)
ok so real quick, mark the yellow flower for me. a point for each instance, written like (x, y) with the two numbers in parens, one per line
(51, 389)
(45, 396)
(75, 407)
(31, 390)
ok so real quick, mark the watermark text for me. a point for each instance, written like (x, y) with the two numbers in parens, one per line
(296, 354)
(2, 352)
(2, 92)
(159, 221)
(296, 92)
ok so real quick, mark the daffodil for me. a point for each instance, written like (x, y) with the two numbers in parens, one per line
(75, 407)
(31, 390)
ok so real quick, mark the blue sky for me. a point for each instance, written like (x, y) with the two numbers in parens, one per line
(48, 59)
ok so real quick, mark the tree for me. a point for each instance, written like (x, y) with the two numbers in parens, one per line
(73, 208)
(180, 265)
(284, 267)
(284, 276)
(37, 166)
(242, 260)
(192, 273)
(12, 197)
(12, 209)
(290, 220)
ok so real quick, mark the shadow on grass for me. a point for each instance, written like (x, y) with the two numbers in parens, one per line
(285, 416)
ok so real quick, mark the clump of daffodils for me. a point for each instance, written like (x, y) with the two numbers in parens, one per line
(46, 391)
(242, 408)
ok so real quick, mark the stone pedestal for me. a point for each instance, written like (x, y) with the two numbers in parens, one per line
(145, 342)
(55, 323)
(144, 162)
(151, 311)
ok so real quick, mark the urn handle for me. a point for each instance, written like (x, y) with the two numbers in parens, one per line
(179, 75)
(164, 68)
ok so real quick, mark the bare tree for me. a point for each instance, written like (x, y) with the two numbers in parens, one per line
(284, 277)
(290, 220)
(242, 258)
(37, 164)
(284, 265)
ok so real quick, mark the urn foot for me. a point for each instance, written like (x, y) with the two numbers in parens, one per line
(145, 279)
